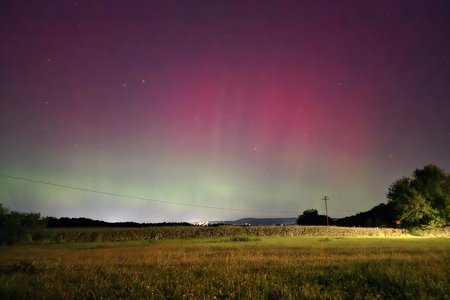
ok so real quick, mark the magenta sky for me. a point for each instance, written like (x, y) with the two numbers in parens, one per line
(264, 106)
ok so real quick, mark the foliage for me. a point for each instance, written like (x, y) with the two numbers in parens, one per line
(312, 217)
(16, 227)
(381, 215)
(423, 200)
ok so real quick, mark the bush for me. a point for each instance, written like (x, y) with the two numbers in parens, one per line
(16, 227)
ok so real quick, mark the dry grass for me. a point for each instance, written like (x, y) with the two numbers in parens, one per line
(224, 268)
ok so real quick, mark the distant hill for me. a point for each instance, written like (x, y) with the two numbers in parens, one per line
(259, 221)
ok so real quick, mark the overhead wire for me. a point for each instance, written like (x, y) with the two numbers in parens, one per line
(149, 199)
(134, 197)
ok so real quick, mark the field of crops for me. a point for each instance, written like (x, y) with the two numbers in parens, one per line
(182, 232)
(233, 267)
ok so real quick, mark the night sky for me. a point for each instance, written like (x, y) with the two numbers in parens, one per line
(253, 108)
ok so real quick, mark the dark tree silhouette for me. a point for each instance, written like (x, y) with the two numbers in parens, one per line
(312, 217)
(424, 199)
(15, 226)
(381, 215)
(65, 222)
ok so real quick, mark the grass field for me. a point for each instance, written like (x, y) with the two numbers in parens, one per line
(230, 268)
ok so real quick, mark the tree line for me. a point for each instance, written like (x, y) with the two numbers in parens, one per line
(419, 201)
(28, 227)
(65, 222)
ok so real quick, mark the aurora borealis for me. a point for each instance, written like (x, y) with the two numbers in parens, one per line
(259, 106)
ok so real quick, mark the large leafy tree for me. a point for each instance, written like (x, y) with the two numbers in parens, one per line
(312, 217)
(424, 199)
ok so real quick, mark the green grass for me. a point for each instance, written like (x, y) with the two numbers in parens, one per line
(241, 267)
(243, 239)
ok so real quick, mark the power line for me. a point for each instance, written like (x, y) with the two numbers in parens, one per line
(133, 197)
(326, 208)
(152, 200)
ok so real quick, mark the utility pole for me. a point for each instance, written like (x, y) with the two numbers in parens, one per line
(326, 208)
